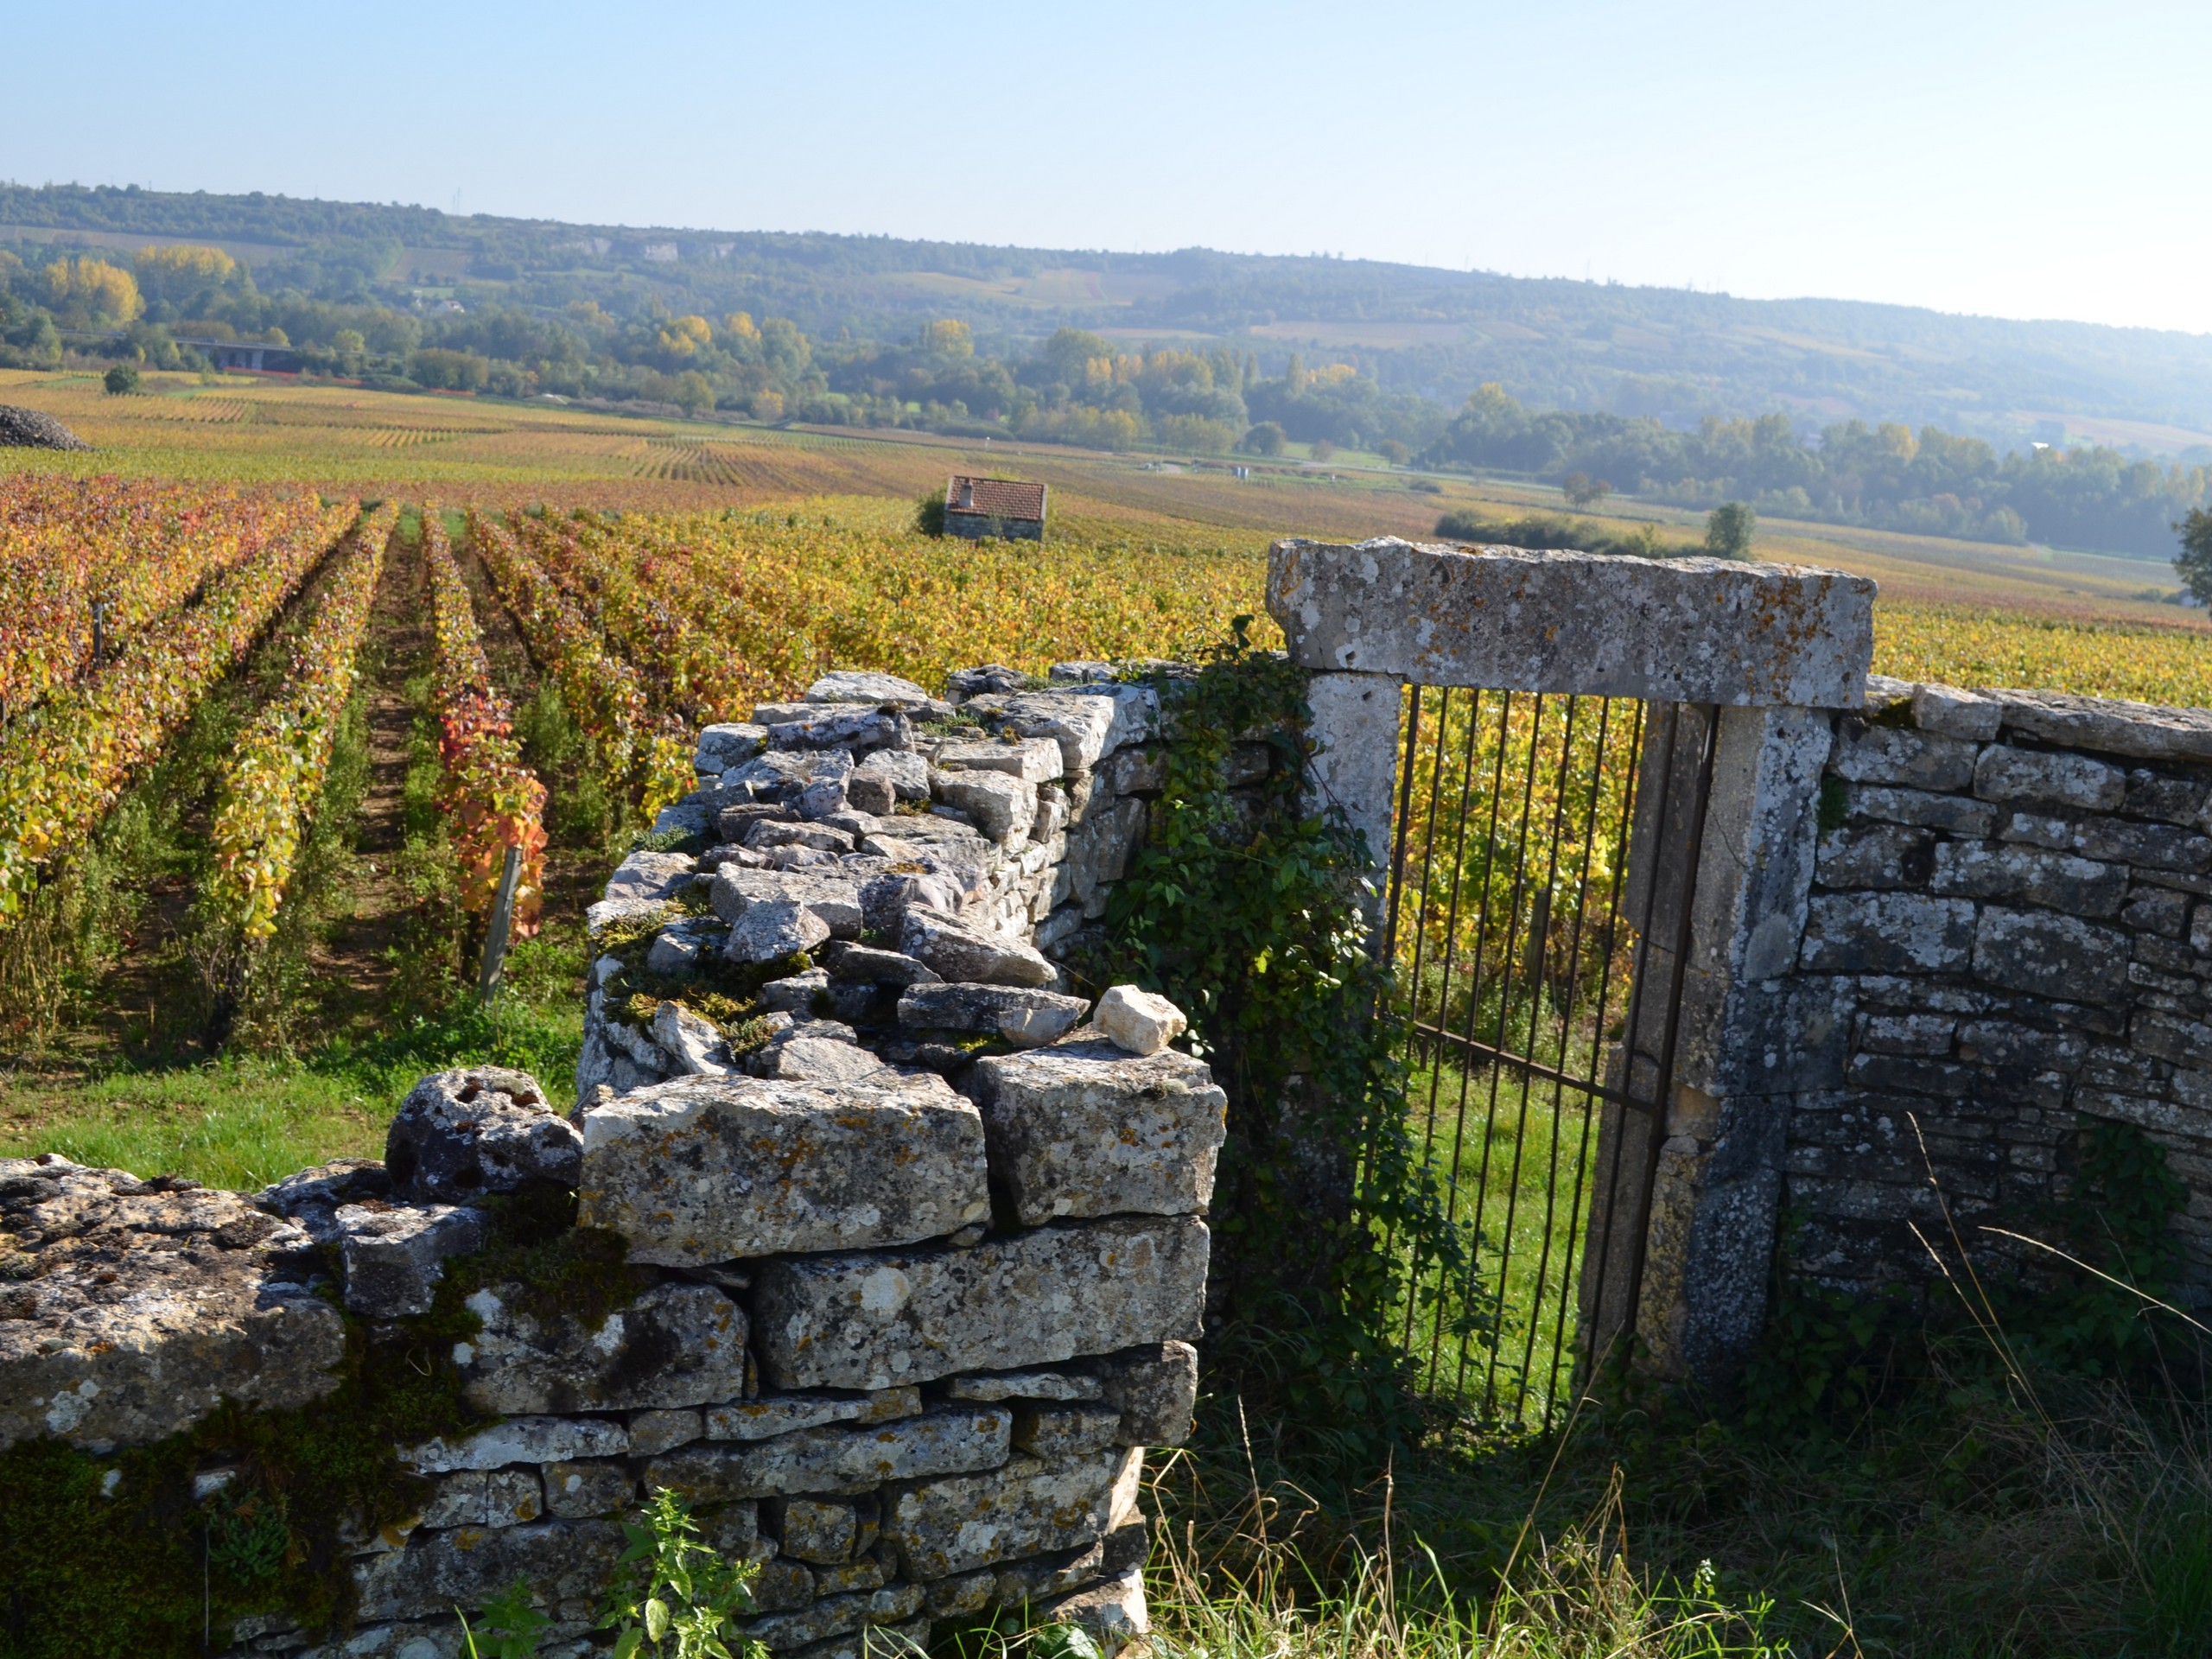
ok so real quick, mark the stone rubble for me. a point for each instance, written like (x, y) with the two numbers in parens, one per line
(820, 1035)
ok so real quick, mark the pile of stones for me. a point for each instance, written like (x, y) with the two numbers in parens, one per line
(32, 428)
(871, 884)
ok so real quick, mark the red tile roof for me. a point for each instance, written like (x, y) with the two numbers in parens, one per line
(996, 497)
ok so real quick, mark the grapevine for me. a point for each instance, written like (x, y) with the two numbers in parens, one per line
(643, 756)
(132, 551)
(63, 764)
(491, 800)
(270, 787)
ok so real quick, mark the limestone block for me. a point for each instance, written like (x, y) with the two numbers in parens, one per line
(1025, 1385)
(1155, 1388)
(867, 1319)
(774, 929)
(1955, 813)
(955, 951)
(595, 1486)
(2004, 773)
(783, 1586)
(1875, 856)
(604, 913)
(1978, 870)
(795, 1055)
(461, 1133)
(520, 1440)
(661, 1431)
(312, 1197)
(2147, 846)
(833, 727)
(961, 1595)
(727, 744)
(864, 964)
(1087, 1129)
(844, 1577)
(674, 954)
(704, 1170)
(1113, 1612)
(870, 685)
(1031, 761)
(2053, 956)
(693, 1043)
(1088, 722)
(838, 1460)
(836, 1616)
(1098, 853)
(869, 792)
(990, 679)
(676, 1345)
(130, 1309)
(395, 1254)
(1887, 933)
(1002, 809)
(821, 1531)
(1027, 1018)
(2110, 724)
(795, 995)
(834, 899)
(1029, 1508)
(1060, 1433)
(480, 1497)
(1889, 754)
(1682, 630)
(1953, 713)
(773, 1414)
(1020, 1584)
(567, 1563)
(1141, 1021)
(650, 875)
(769, 833)
(906, 773)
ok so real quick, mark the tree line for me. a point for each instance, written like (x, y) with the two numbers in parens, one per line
(1887, 476)
(1077, 386)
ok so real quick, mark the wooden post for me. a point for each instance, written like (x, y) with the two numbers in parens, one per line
(495, 937)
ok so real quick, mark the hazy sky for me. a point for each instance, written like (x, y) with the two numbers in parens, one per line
(2025, 159)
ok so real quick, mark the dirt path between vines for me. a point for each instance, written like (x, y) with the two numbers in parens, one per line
(361, 955)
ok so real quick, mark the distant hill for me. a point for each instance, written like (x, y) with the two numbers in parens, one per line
(1675, 354)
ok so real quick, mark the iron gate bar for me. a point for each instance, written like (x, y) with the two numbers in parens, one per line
(1459, 879)
(1476, 1048)
(1474, 1012)
(1535, 977)
(1605, 993)
(1504, 1001)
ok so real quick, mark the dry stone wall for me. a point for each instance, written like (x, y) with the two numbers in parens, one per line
(2008, 928)
(918, 1252)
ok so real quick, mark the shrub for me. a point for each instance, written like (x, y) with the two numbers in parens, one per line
(120, 379)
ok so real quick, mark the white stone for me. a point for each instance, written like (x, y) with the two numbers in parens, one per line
(1141, 1021)
(520, 1440)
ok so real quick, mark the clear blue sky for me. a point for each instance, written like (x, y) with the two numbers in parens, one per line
(2028, 159)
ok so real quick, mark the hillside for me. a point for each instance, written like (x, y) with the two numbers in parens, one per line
(1552, 344)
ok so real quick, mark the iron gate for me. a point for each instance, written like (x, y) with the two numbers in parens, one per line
(1538, 911)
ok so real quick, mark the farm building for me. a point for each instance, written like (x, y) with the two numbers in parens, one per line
(994, 506)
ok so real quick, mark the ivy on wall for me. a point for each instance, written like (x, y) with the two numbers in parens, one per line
(1245, 908)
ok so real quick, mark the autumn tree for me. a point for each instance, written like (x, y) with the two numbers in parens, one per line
(1582, 491)
(1729, 529)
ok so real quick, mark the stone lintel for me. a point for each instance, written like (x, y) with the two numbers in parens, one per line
(1679, 630)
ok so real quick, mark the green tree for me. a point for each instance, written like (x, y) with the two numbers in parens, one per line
(1265, 438)
(2194, 565)
(1582, 490)
(695, 393)
(122, 378)
(1729, 529)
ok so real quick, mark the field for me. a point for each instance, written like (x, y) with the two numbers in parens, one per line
(241, 905)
